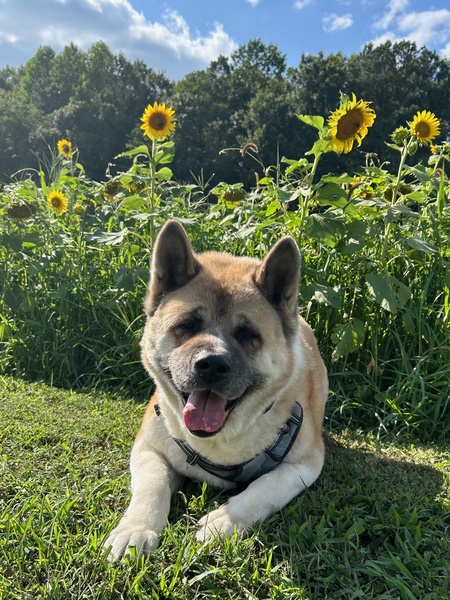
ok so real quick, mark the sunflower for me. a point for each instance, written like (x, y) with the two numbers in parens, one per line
(350, 122)
(158, 121)
(64, 148)
(57, 201)
(22, 211)
(110, 190)
(425, 126)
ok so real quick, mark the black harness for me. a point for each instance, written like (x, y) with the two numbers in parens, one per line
(262, 463)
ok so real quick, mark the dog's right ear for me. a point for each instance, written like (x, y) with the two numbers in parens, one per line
(173, 264)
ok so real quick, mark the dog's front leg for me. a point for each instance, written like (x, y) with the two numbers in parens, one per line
(260, 499)
(153, 481)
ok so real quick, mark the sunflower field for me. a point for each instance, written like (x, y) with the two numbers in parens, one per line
(375, 262)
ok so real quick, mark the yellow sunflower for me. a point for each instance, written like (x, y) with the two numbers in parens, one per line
(64, 148)
(57, 201)
(158, 121)
(425, 126)
(350, 122)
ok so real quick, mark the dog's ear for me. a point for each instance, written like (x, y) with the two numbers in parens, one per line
(279, 274)
(173, 264)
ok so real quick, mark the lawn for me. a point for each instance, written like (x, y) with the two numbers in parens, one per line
(376, 525)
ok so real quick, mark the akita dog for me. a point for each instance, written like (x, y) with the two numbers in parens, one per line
(240, 389)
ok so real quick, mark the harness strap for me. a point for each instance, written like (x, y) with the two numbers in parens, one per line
(262, 463)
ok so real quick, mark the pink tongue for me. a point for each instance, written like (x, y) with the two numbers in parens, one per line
(204, 411)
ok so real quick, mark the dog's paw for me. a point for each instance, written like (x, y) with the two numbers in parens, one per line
(219, 523)
(124, 537)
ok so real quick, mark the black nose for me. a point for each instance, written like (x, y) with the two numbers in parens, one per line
(213, 367)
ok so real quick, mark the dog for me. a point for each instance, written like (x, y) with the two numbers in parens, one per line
(240, 390)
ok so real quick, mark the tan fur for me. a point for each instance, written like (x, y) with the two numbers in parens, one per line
(243, 311)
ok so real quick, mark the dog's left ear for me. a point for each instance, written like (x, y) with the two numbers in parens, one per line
(279, 275)
(173, 264)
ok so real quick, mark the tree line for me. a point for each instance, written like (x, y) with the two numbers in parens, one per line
(96, 98)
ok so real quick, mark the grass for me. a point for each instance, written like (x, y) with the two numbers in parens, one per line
(375, 526)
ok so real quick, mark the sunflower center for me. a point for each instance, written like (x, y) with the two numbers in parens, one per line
(157, 121)
(349, 124)
(423, 129)
(56, 202)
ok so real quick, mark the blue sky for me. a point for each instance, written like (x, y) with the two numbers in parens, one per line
(180, 36)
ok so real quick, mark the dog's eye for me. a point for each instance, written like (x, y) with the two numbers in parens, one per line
(245, 334)
(189, 326)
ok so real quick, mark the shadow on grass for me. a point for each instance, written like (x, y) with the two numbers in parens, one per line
(375, 525)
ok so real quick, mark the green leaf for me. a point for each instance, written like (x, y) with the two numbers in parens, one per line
(164, 174)
(320, 147)
(326, 229)
(422, 246)
(390, 293)
(109, 238)
(323, 294)
(348, 337)
(134, 202)
(272, 208)
(134, 151)
(314, 121)
(164, 157)
(420, 172)
(418, 197)
(355, 238)
(330, 193)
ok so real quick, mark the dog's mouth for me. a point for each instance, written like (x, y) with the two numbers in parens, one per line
(205, 412)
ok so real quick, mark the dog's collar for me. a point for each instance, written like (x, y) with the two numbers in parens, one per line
(262, 463)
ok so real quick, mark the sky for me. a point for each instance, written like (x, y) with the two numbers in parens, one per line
(181, 36)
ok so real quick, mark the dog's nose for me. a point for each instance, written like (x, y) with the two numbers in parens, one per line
(213, 367)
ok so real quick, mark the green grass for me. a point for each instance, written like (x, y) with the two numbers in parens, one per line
(375, 526)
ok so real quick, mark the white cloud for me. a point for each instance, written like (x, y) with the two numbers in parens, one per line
(166, 44)
(426, 28)
(300, 4)
(389, 36)
(253, 2)
(394, 8)
(333, 22)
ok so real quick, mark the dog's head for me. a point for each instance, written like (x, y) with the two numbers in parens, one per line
(220, 337)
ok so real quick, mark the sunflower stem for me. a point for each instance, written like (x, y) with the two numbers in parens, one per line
(388, 224)
(306, 199)
(152, 192)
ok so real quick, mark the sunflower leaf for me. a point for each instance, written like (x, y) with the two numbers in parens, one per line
(314, 121)
(320, 147)
(138, 150)
(390, 293)
(348, 337)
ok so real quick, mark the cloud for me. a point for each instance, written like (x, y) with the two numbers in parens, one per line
(332, 22)
(425, 28)
(394, 8)
(300, 4)
(253, 2)
(165, 44)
